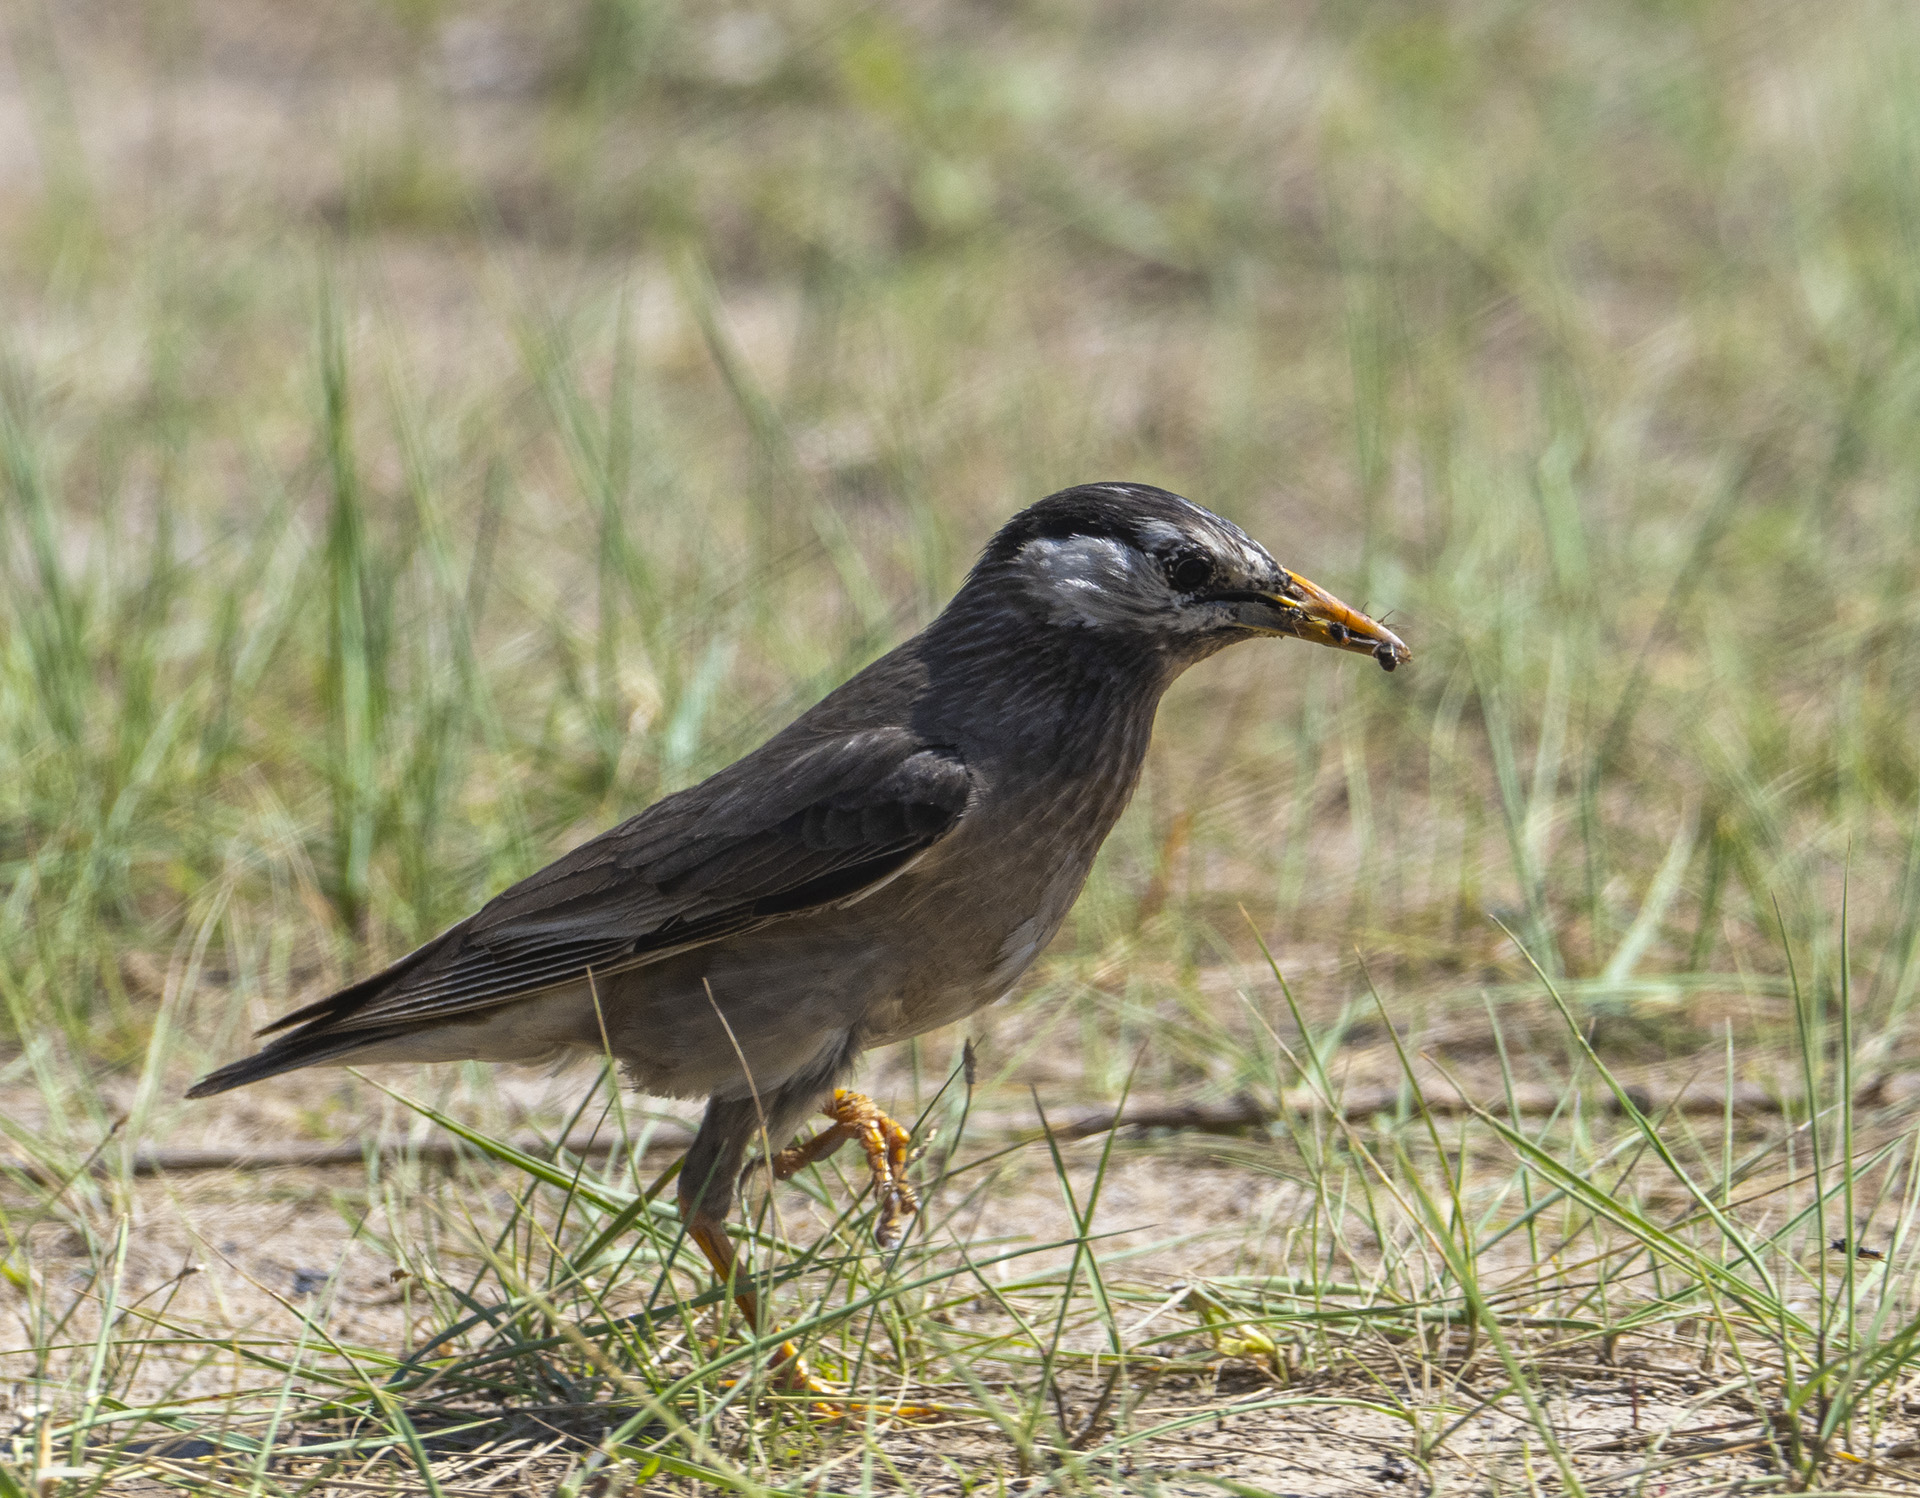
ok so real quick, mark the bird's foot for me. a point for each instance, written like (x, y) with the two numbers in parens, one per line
(889, 1150)
(791, 1375)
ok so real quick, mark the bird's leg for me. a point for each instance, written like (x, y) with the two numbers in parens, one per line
(888, 1148)
(788, 1367)
(710, 1237)
(706, 1196)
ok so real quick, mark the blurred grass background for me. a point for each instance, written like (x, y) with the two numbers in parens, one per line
(430, 431)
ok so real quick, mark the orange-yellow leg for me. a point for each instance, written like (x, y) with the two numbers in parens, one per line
(888, 1149)
(789, 1368)
(710, 1236)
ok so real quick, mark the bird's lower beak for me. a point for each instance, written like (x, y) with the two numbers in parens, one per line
(1309, 611)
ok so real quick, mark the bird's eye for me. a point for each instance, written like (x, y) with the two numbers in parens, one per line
(1189, 572)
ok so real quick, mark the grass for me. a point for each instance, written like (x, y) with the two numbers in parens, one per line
(429, 433)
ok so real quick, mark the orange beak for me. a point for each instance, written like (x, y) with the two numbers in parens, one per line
(1312, 613)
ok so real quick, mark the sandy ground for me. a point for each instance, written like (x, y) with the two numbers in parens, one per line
(267, 1247)
(275, 1255)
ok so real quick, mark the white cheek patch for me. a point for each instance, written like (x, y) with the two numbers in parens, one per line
(1242, 560)
(1094, 580)
(1254, 561)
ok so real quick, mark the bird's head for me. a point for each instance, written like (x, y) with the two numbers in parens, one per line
(1138, 562)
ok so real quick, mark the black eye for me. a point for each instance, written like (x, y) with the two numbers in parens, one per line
(1189, 572)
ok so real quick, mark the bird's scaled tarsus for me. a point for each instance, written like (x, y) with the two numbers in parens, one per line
(709, 1235)
(788, 1367)
(889, 1150)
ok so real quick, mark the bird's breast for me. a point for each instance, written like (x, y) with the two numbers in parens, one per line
(973, 916)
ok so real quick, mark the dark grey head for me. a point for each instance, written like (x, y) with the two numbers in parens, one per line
(1130, 560)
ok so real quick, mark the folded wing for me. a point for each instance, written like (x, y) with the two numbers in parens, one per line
(843, 815)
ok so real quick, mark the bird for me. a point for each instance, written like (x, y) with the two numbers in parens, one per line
(888, 863)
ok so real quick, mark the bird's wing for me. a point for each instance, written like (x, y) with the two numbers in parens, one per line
(770, 836)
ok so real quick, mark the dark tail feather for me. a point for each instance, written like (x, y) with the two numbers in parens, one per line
(318, 1040)
(338, 1005)
(289, 1053)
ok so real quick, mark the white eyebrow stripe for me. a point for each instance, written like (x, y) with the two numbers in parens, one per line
(1161, 533)
(1236, 551)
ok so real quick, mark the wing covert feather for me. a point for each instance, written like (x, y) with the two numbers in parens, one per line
(746, 847)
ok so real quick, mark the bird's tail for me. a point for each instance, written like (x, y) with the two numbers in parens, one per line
(319, 1037)
(289, 1053)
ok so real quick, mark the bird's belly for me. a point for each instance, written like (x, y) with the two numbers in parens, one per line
(746, 1014)
(973, 948)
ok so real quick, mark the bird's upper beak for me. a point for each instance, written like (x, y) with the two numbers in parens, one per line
(1308, 610)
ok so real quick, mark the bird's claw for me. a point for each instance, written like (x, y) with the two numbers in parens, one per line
(889, 1151)
(791, 1375)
